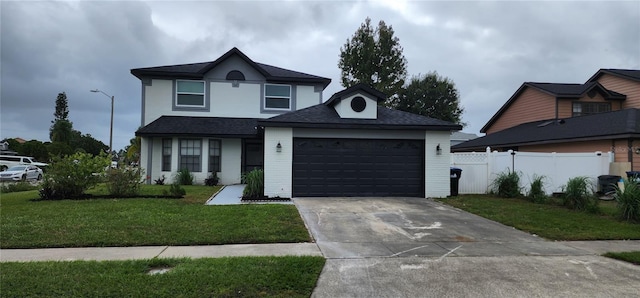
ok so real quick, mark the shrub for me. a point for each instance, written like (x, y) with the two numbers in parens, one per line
(579, 194)
(255, 184)
(160, 181)
(124, 182)
(16, 187)
(212, 180)
(70, 176)
(536, 191)
(176, 190)
(507, 185)
(184, 177)
(628, 201)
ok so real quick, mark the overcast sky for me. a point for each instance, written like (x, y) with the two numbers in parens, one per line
(487, 48)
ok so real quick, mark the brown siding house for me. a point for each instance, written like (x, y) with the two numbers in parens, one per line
(602, 114)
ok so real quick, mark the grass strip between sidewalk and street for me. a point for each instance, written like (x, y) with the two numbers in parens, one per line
(549, 221)
(629, 256)
(221, 277)
(139, 222)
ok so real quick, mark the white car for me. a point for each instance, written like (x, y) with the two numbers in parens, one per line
(21, 173)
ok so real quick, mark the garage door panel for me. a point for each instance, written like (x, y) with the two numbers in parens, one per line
(357, 167)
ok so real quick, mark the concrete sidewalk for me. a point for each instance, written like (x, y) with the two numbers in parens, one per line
(149, 252)
(235, 250)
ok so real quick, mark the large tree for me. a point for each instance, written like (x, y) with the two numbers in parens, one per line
(87, 143)
(61, 128)
(374, 56)
(433, 96)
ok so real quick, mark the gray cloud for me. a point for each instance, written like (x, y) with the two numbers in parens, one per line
(487, 48)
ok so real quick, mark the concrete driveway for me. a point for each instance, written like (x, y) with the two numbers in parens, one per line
(412, 247)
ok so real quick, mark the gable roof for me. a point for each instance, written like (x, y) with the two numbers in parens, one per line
(336, 97)
(198, 70)
(631, 74)
(200, 126)
(617, 124)
(325, 116)
(557, 90)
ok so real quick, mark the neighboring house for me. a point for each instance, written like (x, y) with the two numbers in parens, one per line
(458, 137)
(599, 115)
(232, 115)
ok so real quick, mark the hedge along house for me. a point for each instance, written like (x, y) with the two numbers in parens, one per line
(350, 146)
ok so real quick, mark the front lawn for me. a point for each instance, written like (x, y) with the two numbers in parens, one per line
(631, 256)
(549, 221)
(135, 222)
(222, 277)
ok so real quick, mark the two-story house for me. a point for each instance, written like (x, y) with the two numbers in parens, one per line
(602, 114)
(232, 115)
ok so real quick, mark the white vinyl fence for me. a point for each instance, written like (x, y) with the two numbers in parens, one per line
(479, 169)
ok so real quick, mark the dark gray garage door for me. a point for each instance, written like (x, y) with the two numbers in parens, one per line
(358, 167)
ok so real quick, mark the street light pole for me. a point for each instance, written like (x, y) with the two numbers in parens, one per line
(111, 127)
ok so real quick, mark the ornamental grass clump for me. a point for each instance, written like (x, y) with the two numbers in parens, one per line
(507, 185)
(254, 181)
(579, 194)
(536, 192)
(628, 201)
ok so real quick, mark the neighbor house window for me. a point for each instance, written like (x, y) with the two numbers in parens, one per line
(588, 108)
(166, 155)
(214, 156)
(190, 93)
(277, 97)
(190, 155)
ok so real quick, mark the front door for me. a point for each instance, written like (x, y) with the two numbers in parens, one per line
(253, 155)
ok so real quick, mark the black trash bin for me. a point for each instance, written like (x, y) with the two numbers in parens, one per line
(607, 183)
(455, 174)
(633, 176)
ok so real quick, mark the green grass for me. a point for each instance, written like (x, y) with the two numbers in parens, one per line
(549, 221)
(137, 222)
(223, 277)
(631, 256)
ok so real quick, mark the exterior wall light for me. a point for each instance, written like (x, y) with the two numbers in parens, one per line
(278, 147)
(438, 150)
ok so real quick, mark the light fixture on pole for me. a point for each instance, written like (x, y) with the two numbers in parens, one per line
(111, 127)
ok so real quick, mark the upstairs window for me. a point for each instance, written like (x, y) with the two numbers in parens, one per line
(190, 93)
(277, 97)
(588, 108)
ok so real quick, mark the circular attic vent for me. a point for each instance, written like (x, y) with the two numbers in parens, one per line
(358, 104)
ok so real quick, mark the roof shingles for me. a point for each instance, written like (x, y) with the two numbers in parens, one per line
(200, 126)
(324, 116)
(198, 70)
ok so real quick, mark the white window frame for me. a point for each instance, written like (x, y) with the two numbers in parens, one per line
(266, 96)
(183, 144)
(219, 156)
(204, 94)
